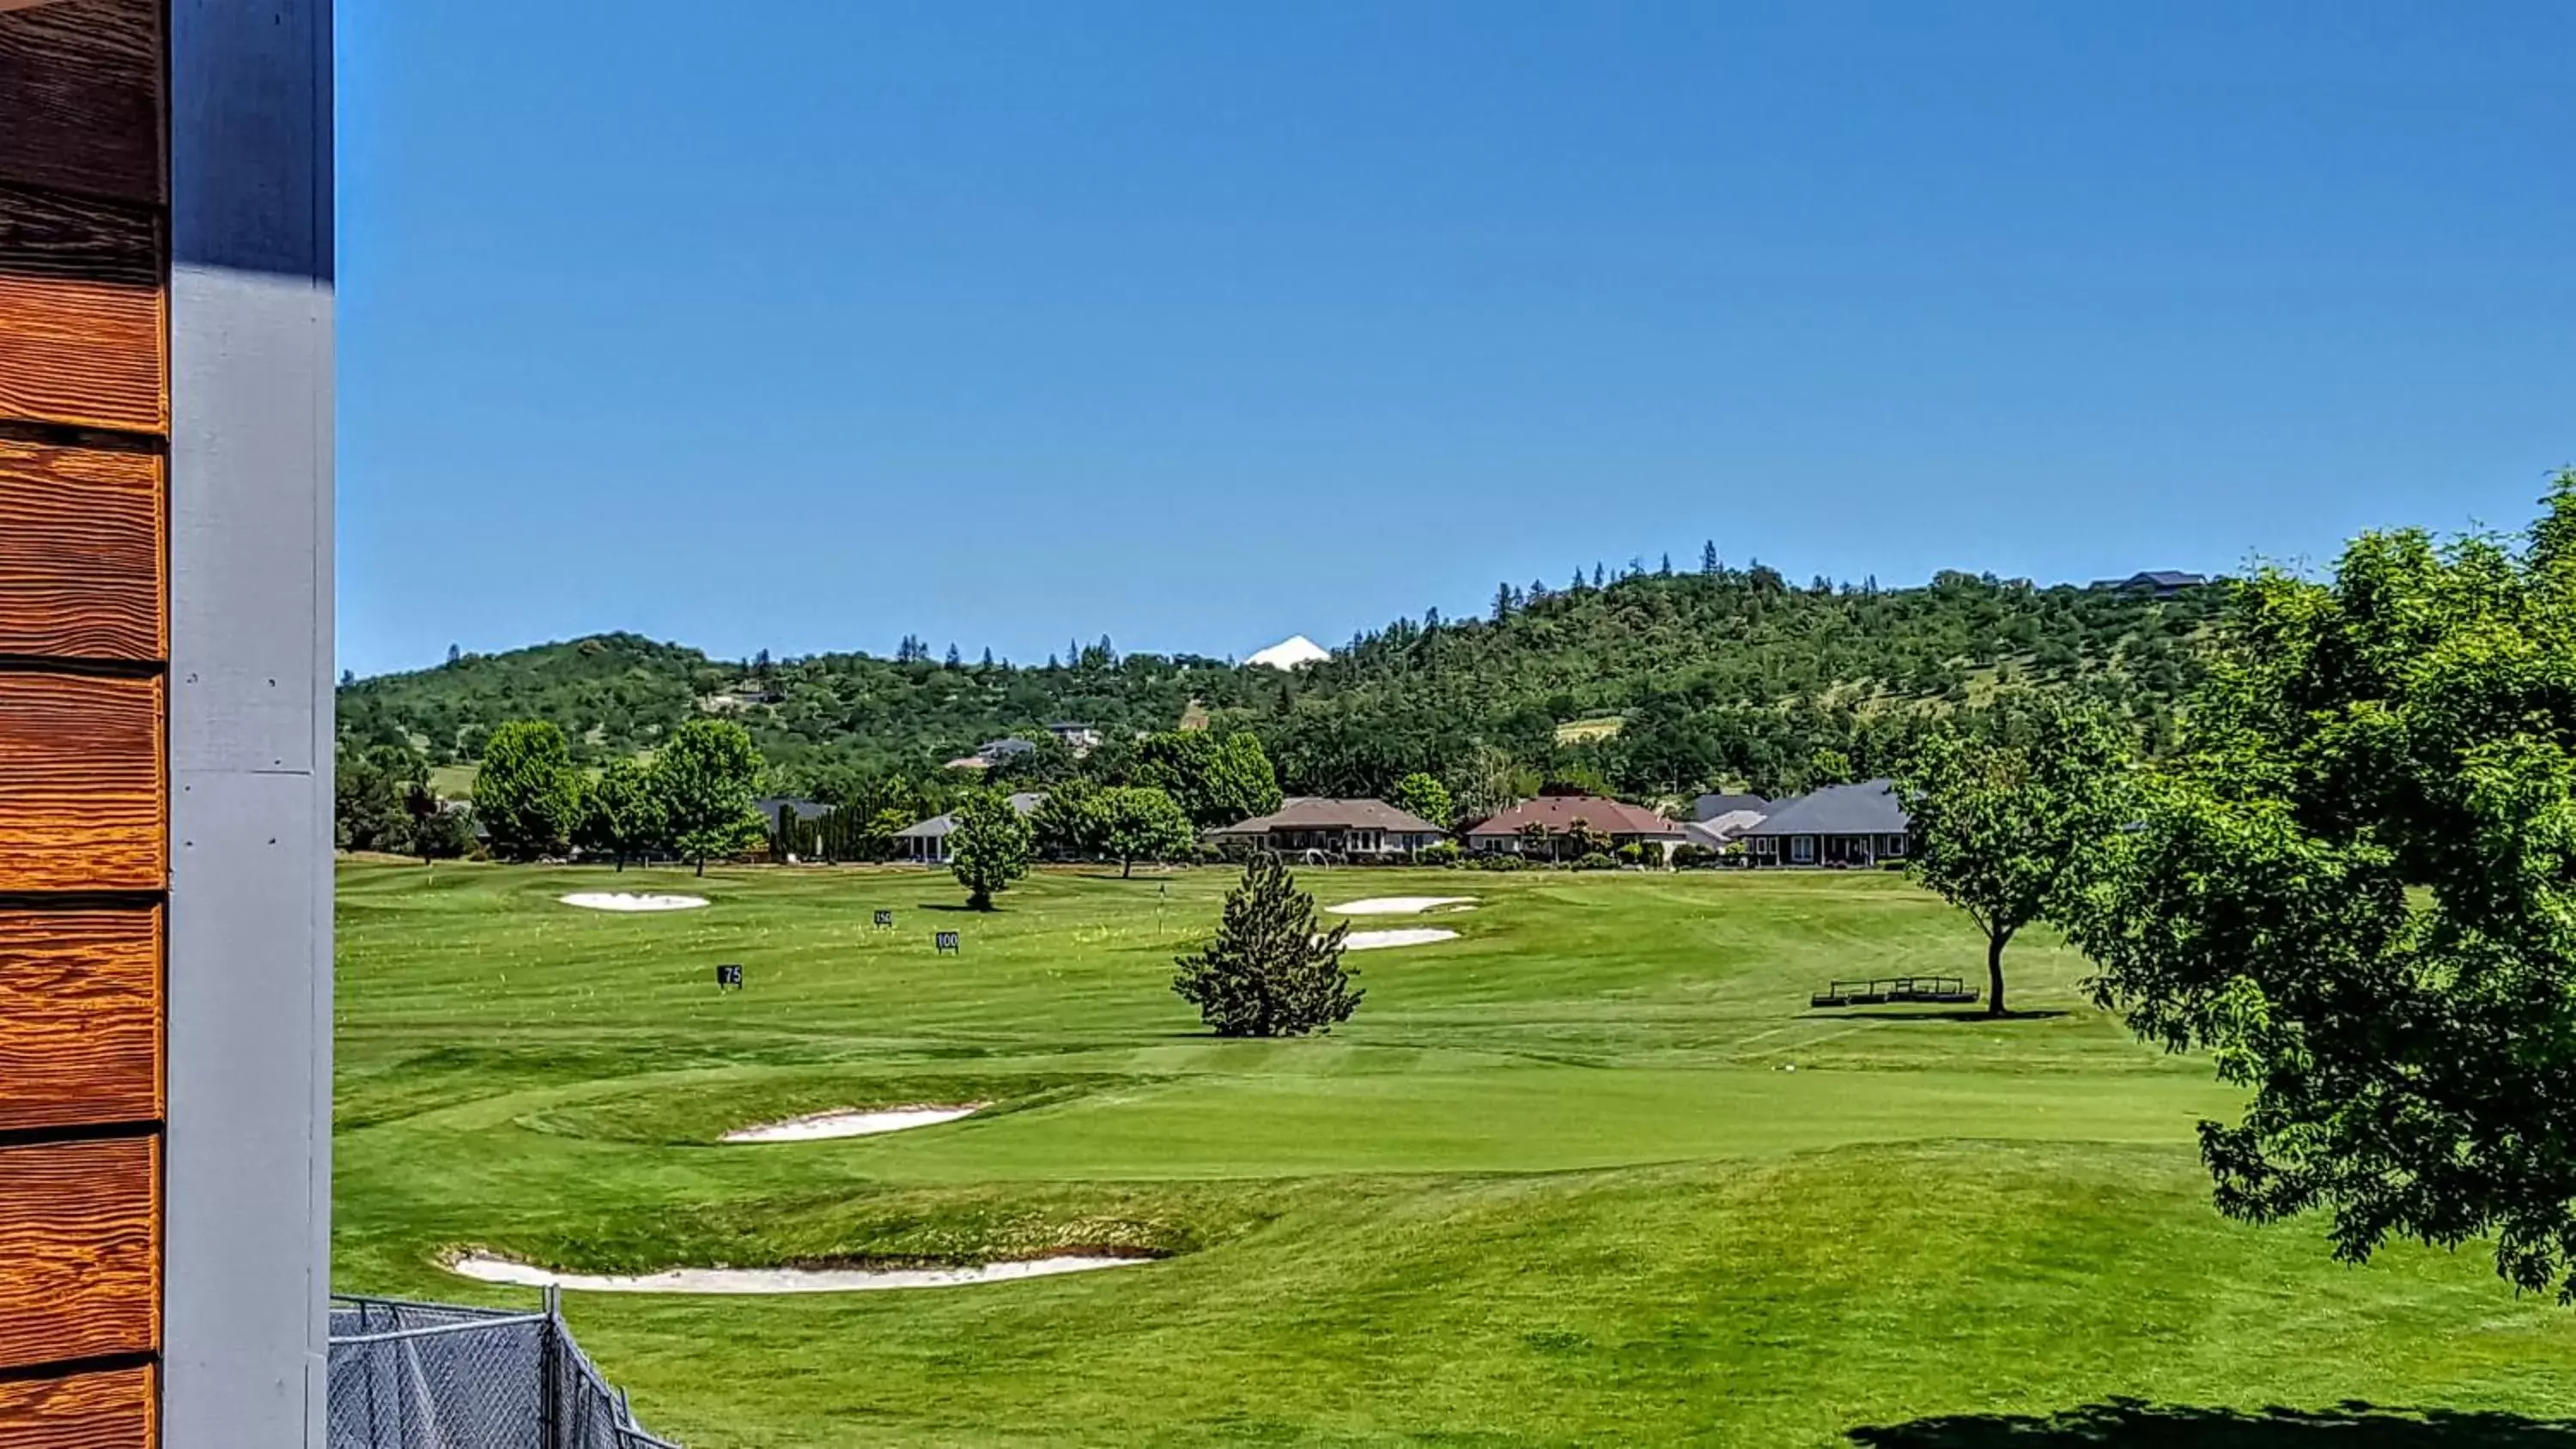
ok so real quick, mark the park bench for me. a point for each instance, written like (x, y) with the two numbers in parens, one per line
(1896, 990)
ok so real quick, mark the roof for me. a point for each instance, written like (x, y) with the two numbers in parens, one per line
(776, 805)
(1557, 813)
(1317, 812)
(1709, 807)
(1025, 801)
(1723, 829)
(1868, 808)
(1008, 745)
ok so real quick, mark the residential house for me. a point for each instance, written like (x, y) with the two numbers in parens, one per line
(1353, 829)
(1840, 825)
(2162, 583)
(1718, 821)
(991, 753)
(1556, 816)
(927, 842)
(1082, 739)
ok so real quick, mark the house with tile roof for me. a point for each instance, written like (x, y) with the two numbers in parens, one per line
(1351, 829)
(1554, 818)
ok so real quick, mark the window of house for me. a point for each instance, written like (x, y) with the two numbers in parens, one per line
(1802, 849)
(1762, 846)
(1895, 845)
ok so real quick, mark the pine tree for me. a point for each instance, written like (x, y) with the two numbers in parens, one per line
(1502, 603)
(954, 658)
(1667, 570)
(1708, 564)
(1598, 577)
(1269, 973)
(988, 656)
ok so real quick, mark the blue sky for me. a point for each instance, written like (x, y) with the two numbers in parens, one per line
(809, 325)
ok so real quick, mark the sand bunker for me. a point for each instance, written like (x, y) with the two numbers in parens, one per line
(1399, 905)
(488, 1269)
(852, 1123)
(1380, 940)
(624, 901)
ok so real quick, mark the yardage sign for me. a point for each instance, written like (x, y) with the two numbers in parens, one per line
(729, 977)
(885, 920)
(946, 941)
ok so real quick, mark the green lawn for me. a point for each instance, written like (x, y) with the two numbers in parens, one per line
(1592, 1174)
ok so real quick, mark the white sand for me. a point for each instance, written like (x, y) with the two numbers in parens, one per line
(1399, 905)
(623, 901)
(852, 1123)
(1379, 940)
(488, 1269)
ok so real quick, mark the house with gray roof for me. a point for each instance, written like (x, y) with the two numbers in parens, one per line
(1840, 825)
(927, 842)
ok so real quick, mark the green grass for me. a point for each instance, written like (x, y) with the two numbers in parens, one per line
(1592, 1174)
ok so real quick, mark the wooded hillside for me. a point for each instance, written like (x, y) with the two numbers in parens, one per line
(1647, 684)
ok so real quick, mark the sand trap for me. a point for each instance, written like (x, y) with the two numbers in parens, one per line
(1399, 905)
(1379, 940)
(624, 901)
(852, 1123)
(484, 1268)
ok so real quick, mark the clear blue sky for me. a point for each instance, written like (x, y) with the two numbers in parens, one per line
(807, 325)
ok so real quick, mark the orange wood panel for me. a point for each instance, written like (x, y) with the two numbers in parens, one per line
(81, 309)
(80, 97)
(110, 1410)
(80, 1250)
(80, 1017)
(80, 783)
(81, 548)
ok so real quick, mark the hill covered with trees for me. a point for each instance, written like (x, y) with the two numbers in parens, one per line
(1654, 683)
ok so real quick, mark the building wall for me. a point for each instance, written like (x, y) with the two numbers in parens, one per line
(164, 722)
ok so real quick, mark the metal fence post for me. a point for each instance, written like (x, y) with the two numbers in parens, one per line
(550, 1425)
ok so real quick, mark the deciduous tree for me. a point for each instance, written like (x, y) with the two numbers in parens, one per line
(1139, 822)
(1423, 795)
(527, 795)
(2003, 816)
(1269, 972)
(989, 848)
(2356, 889)
(705, 779)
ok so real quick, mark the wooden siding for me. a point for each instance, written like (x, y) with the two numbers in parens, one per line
(82, 82)
(93, 1411)
(81, 772)
(84, 641)
(80, 1229)
(80, 1018)
(81, 553)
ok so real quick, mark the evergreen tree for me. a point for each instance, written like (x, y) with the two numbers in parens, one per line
(1502, 603)
(1708, 564)
(1269, 973)
(1598, 577)
(954, 658)
(1667, 570)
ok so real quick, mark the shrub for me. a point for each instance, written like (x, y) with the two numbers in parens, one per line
(1633, 853)
(1693, 857)
(1596, 861)
(1498, 861)
(1445, 852)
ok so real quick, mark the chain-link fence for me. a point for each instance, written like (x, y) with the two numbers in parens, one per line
(426, 1376)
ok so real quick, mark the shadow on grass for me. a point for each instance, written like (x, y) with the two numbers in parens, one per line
(1973, 1013)
(2124, 1423)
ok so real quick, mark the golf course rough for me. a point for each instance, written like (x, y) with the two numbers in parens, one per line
(1550, 1186)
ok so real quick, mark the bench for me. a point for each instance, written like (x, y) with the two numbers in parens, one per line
(1896, 990)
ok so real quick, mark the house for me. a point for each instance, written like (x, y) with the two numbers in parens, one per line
(2162, 583)
(1710, 807)
(991, 753)
(777, 808)
(1082, 739)
(1557, 815)
(927, 842)
(1363, 829)
(1841, 825)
